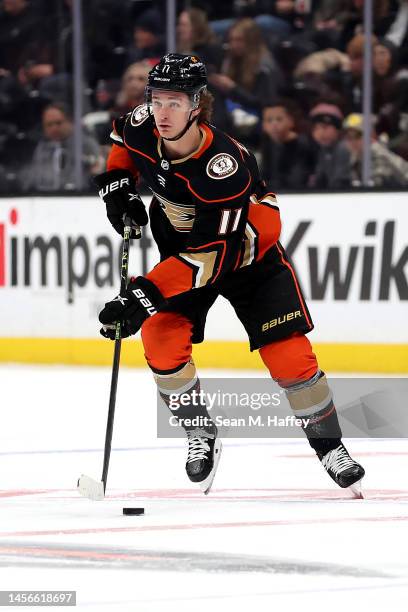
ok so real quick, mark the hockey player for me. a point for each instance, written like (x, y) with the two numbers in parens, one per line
(217, 231)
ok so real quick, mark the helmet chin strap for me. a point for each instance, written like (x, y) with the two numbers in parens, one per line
(184, 130)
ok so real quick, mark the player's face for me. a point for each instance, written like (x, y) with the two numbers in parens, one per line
(171, 112)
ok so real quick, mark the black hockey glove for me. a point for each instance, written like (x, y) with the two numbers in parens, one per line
(141, 300)
(117, 188)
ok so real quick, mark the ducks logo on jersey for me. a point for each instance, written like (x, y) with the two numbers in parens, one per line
(140, 114)
(221, 165)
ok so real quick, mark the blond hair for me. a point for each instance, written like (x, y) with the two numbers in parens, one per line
(202, 32)
(244, 70)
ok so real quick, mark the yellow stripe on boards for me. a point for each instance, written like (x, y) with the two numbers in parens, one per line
(376, 358)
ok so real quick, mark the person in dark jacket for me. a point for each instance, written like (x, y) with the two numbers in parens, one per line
(148, 38)
(332, 169)
(287, 158)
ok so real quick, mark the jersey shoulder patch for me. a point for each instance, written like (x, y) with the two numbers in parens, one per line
(139, 115)
(233, 188)
(221, 165)
(116, 135)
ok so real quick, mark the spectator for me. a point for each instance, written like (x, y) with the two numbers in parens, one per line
(336, 22)
(353, 18)
(12, 95)
(28, 57)
(134, 81)
(389, 91)
(194, 35)
(287, 158)
(147, 38)
(387, 169)
(28, 49)
(272, 25)
(297, 14)
(332, 169)
(320, 76)
(131, 94)
(249, 77)
(320, 62)
(52, 167)
(399, 144)
(328, 23)
(353, 80)
(24, 39)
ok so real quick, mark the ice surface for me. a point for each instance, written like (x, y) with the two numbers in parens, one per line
(274, 534)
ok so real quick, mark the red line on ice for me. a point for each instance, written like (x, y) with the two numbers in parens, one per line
(243, 494)
(19, 492)
(186, 526)
(274, 494)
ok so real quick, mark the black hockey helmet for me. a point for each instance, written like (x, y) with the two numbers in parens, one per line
(177, 72)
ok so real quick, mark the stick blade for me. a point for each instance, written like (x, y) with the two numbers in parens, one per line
(90, 488)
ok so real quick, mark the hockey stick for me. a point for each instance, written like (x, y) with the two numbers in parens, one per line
(87, 486)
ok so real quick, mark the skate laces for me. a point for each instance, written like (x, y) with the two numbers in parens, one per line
(197, 445)
(338, 460)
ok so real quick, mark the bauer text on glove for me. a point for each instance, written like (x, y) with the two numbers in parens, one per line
(141, 301)
(117, 188)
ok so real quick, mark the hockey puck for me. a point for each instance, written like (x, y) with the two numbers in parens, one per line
(133, 511)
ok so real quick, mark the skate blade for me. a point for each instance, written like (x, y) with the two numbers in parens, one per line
(90, 488)
(205, 485)
(356, 490)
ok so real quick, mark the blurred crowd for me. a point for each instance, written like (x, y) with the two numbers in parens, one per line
(286, 76)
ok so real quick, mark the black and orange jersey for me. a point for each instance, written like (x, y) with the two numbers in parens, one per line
(209, 215)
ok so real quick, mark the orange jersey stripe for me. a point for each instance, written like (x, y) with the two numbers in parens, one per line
(171, 277)
(267, 222)
(237, 195)
(119, 159)
(208, 140)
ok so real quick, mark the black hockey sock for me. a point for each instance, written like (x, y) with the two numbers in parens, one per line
(181, 392)
(323, 430)
(311, 400)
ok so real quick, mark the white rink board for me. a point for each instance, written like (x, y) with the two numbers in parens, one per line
(360, 239)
